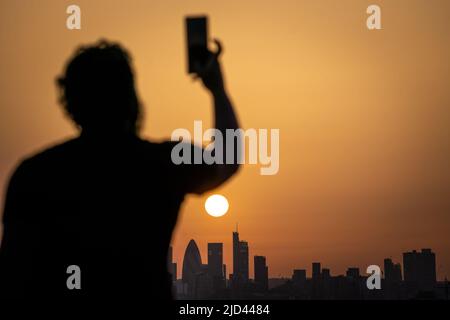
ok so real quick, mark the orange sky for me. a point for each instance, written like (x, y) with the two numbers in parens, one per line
(364, 116)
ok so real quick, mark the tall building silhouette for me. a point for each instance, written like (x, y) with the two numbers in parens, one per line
(235, 253)
(243, 260)
(316, 287)
(192, 270)
(240, 259)
(420, 269)
(316, 270)
(215, 266)
(215, 260)
(261, 273)
(209, 281)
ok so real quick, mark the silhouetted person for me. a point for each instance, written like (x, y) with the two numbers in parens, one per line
(106, 201)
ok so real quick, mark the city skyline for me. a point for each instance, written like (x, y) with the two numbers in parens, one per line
(415, 277)
(316, 268)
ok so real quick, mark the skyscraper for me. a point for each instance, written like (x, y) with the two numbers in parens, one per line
(261, 273)
(240, 259)
(316, 287)
(316, 270)
(235, 253)
(215, 260)
(192, 268)
(420, 269)
(243, 260)
(215, 266)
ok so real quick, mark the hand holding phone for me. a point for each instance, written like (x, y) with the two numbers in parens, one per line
(211, 72)
(201, 61)
(197, 42)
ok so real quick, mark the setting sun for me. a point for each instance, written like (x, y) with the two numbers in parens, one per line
(216, 205)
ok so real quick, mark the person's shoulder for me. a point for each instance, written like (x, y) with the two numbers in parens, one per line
(56, 150)
(51, 153)
(29, 165)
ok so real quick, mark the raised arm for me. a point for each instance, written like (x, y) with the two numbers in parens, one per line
(224, 115)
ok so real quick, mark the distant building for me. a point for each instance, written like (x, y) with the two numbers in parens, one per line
(316, 270)
(204, 284)
(240, 259)
(215, 260)
(299, 277)
(235, 252)
(192, 270)
(316, 285)
(420, 269)
(243, 260)
(392, 286)
(397, 276)
(392, 272)
(326, 274)
(215, 266)
(353, 273)
(353, 284)
(261, 273)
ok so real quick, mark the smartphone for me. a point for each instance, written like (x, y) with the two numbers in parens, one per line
(197, 42)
